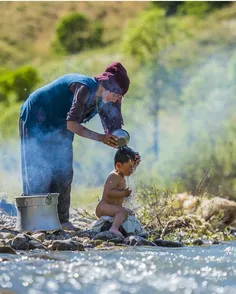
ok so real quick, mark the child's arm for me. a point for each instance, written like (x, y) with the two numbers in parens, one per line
(110, 188)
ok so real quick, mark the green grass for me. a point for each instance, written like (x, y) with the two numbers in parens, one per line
(29, 27)
(86, 198)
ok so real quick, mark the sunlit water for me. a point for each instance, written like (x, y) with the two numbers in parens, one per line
(137, 270)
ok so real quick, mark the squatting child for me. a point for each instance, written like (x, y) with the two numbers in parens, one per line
(114, 192)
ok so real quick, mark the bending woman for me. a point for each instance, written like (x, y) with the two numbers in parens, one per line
(52, 115)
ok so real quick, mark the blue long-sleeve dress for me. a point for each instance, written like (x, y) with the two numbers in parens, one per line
(46, 144)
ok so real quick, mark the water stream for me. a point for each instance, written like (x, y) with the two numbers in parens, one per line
(200, 269)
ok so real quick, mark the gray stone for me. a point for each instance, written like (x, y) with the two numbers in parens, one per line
(138, 241)
(33, 244)
(39, 236)
(7, 249)
(198, 242)
(108, 236)
(62, 245)
(20, 242)
(216, 242)
(164, 243)
(87, 233)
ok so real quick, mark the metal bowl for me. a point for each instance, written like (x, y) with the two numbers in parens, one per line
(123, 137)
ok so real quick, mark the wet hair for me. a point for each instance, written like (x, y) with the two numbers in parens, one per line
(124, 154)
(111, 85)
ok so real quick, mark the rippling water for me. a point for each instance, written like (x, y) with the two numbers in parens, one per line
(137, 270)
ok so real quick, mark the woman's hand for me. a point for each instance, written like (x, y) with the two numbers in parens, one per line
(137, 159)
(109, 140)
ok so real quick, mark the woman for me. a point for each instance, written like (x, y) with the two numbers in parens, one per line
(53, 114)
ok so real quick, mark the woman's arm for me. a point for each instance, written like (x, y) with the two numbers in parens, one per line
(74, 116)
(80, 130)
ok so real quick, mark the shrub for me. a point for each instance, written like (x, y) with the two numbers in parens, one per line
(19, 83)
(75, 33)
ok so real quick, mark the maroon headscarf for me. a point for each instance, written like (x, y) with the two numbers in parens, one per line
(117, 72)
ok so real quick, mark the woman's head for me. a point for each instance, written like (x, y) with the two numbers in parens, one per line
(115, 82)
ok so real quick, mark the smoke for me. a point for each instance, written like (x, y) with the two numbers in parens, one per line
(192, 122)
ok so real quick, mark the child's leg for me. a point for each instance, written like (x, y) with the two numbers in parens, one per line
(120, 216)
(119, 213)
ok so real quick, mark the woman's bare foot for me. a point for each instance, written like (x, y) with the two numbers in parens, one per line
(116, 232)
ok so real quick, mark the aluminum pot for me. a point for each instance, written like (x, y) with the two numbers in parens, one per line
(123, 137)
(37, 212)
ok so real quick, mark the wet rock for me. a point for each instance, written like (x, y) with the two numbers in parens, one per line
(138, 241)
(20, 242)
(164, 243)
(4, 259)
(58, 235)
(7, 249)
(39, 236)
(110, 246)
(108, 236)
(216, 242)
(95, 243)
(197, 242)
(87, 233)
(64, 245)
(80, 239)
(33, 244)
(45, 256)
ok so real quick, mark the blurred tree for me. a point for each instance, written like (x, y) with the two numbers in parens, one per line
(148, 40)
(24, 81)
(18, 84)
(198, 8)
(75, 32)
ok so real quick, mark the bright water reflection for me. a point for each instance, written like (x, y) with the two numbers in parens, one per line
(137, 270)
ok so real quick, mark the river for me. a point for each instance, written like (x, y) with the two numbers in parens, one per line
(187, 270)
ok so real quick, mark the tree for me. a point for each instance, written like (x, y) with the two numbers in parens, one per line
(148, 39)
(75, 32)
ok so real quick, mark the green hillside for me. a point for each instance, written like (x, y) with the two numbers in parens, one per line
(181, 100)
(27, 28)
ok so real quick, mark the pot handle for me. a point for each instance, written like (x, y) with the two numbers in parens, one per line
(48, 199)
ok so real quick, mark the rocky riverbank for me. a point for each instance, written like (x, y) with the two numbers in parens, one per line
(81, 239)
(85, 238)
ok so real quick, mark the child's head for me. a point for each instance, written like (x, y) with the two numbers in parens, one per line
(124, 160)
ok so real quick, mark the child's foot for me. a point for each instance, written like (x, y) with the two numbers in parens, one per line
(116, 232)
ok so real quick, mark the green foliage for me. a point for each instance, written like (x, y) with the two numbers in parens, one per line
(9, 121)
(75, 32)
(19, 83)
(25, 80)
(200, 8)
(197, 8)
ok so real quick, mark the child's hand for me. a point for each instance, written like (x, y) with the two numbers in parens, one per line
(130, 212)
(127, 192)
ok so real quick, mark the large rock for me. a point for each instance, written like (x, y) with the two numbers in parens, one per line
(87, 233)
(20, 242)
(39, 236)
(33, 244)
(108, 236)
(164, 243)
(64, 245)
(7, 249)
(138, 241)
